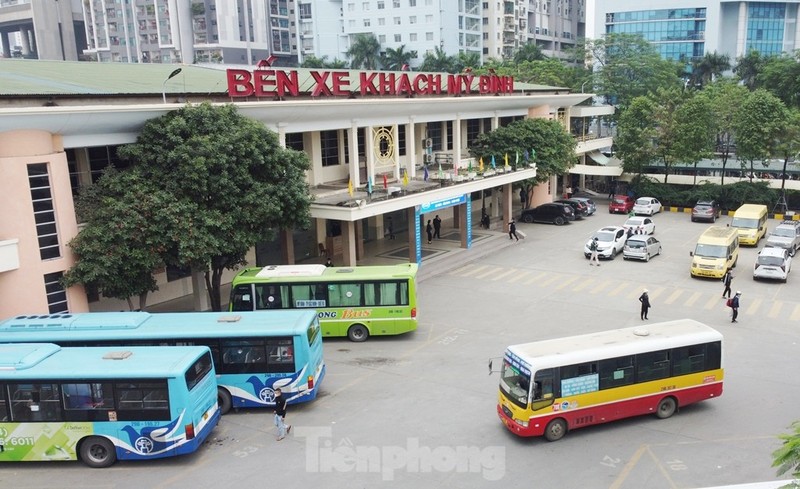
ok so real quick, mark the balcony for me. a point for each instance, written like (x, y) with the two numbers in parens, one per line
(9, 255)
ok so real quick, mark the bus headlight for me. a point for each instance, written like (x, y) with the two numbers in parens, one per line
(524, 424)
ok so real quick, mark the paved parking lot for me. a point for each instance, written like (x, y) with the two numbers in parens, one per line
(419, 410)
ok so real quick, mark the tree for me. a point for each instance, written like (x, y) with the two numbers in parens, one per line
(635, 134)
(471, 60)
(781, 76)
(545, 141)
(394, 59)
(551, 72)
(748, 67)
(364, 52)
(787, 457)
(788, 144)
(694, 132)
(438, 61)
(758, 125)
(118, 249)
(528, 52)
(230, 182)
(725, 98)
(709, 68)
(627, 66)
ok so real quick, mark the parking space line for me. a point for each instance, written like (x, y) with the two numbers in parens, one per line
(662, 469)
(655, 293)
(753, 308)
(690, 302)
(775, 309)
(534, 279)
(626, 471)
(549, 281)
(795, 314)
(504, 274)
(583, 284)
(487, 272)
(566, 283)
(673, 296)
(618, 289)
(470, 272)
(601, 287)
(713, 302)
(517, 277)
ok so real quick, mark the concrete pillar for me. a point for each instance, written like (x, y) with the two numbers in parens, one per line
(199, 292)
(369, 150)
(287, 246)
(282, 135)
(359, 227)
(348, 244)
(6, 45)
(506, 205)
(741, 30)
(321, 232)
(396, 138)
(457, 217)
(457, 141)
(352, 140)
(413, 227)
(460, 218)
(26, 44)
(411, 148)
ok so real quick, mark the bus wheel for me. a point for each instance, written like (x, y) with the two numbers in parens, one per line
(358, 333)
(555, 430)
(224, 400)
(97, 452)
(666, 407)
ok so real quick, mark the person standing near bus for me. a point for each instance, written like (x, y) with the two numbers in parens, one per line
(429, 231)
(735, 307)
(726, 280)
(437, 227)
(280, 415)
(645, 300)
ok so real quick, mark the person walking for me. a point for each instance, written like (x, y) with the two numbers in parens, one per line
(429, 231)
(569, 191)
(734, 305)
(512, 230)
(645, 300)
(437, 227)
(726, 280)
(523, 197)
(390, 225)
(280, 415)
(593, 249)
(329, 262)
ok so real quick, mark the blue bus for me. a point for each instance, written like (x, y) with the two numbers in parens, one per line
(100, 404)
(254, 352)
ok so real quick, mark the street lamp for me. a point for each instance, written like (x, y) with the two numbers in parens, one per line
(584, 84)
(164, 85)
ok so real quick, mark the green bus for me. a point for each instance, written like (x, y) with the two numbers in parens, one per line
(357, 302)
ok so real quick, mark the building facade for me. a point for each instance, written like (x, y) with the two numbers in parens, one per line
(41, 29)
(687, 30)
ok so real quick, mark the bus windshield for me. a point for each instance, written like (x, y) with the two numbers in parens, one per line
(711, 251)
(741, 222)
(515, 384)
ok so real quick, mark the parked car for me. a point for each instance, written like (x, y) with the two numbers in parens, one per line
(590, 205)
(786, 235)
(610, 242)
(706, 210)
(647, 205)
(641, 247)
(579, 207)
(558, 214)
(773, 263)
(640, 225)
(621, 204)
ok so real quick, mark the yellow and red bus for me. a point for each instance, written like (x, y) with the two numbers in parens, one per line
(550, 387)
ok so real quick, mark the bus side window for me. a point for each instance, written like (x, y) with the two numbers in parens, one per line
(4, 414)
(242, 298)
(268, 296)
(543, 384)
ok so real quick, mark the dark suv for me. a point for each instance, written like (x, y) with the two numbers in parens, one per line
(580, 208)
(706, 210)
(556, 213)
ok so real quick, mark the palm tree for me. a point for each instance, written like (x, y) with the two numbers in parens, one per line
(528, 52)
(364, 52)
(467, 60)
(709, 67)
(748, 67)
(312, 61)
(394, 59)
(787, 458)
(438, 61)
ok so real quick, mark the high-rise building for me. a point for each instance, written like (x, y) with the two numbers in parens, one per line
(687, 30)
(41, 29)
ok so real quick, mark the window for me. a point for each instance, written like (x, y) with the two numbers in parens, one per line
(412, 37)
(412, 19)
(198, 371)
(351, 7)
(294, 140)
(429, 36)
(652, 366)
(616, 372)
(281, 355)
(366, 23)
(344, 294)
(579, 379)
(308, 295)
(543, 384)
(398, 38)
(146, 400)
(329, 142)
(87, 401)
(429, 19)
(43, 211)
(35, 402)
(271, 296)
(312, 334)
(435, 134)
(382, 40)
(381, 5)
(386, 294)
(412, 3)
(365, 6)
(56, 295)
(396, 3)
(396, 21)
(382, 21)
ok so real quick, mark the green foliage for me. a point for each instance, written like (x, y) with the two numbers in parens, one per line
(204, 186)
(364, 52)
(463, 61)
(528, 52)
(322, 63)
(438, 61)
(551, 72)
(730, 196)
(758, 125)
(780, 75)
(748, 67)
(553, 145)
(725, 98)
(394, 59)
(635, 134)
(787, 457)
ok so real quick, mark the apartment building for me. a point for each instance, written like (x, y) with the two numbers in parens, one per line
(41, 29)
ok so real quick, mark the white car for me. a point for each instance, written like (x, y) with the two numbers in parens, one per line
(640, 225)
(647, 206)
(641, 247)
(610, 242)
(773, 263)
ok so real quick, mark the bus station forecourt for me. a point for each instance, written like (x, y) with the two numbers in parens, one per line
(420, 410)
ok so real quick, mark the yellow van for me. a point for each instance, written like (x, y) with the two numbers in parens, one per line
(751, 222)
(716, 252)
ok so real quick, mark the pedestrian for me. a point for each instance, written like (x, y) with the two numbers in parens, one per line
(593, 249)
(523, 197)
(645, 300)
(437, 227)
(280, 415)
(485, 220)
(329, 262)
(726, 280)
(734, 305)
(429, 230)
(390, 225)
(629, 233)
(512, 230)
(569, 191)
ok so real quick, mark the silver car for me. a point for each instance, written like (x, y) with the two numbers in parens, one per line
(610, 241)
(590, 205)
(773, 263)
(641, 247)
(786, 235)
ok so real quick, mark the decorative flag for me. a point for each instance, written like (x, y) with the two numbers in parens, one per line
(441, 173)
(350, 187)
(369, 185)
(526, 156)
(516, 161)
(494, 165)
(455, 169)
(533, 155)
(469, 166)
(480, 164)
(385, 185)
(405, 178)
(506, 160)
(425, 173)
